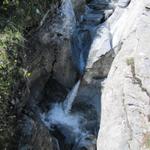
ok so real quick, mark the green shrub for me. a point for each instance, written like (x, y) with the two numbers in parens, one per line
(17, 20)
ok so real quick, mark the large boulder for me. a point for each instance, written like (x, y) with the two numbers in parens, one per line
(48, 53)
(35, 136)
(125, 120)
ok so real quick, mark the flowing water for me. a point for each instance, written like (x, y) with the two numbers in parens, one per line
(71, 124)
(67, 105)
(60, 112)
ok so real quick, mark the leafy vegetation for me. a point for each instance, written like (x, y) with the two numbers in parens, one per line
(10, 41)
(18, 18)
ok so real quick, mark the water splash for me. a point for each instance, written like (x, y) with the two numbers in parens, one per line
(60, 112)
(69, 124)
(67, 105)
(57, 116)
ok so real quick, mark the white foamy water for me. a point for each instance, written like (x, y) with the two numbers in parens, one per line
(67, 105)
(57, 116)
(70, 124)
(60, 112)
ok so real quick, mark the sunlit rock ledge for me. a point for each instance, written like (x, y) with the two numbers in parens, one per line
(125, 118)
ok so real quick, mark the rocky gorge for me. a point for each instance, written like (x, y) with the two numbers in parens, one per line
(89, 78)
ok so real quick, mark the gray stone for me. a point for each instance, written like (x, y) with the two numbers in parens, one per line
(34, 135)
(125, 99)
(124, 82)
(49, 48)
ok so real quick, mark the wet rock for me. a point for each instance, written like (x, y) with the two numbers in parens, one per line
(98, 5)
(79, 8)
(48, 60)
(52, 92)
(93, 18)
(86, 143)
(34, 135)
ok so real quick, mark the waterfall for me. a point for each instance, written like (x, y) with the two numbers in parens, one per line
(70, 98)
(73, 125)
(60, 115)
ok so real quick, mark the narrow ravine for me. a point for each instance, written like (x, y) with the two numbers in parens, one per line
(75, 121)
(61, 119)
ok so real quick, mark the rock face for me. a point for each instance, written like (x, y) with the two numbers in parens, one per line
(49, 47)
(125, 120)
(49, 63)
(105, 44)
(36, 136)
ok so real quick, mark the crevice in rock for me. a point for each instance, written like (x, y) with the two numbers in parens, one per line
(54, 63)
(136, 79)
(101, 67)
(127, 120)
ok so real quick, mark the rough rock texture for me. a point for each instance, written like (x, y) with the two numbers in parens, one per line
(78, 7)
(36, 136)
(103, 30)
(49, 65)
(125, 120)
(49, 48)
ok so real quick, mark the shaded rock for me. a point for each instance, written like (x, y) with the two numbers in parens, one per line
(98, 5)
(48, 57)
(52, 92)
(35, 136)
(86, 143)
(49, 47)
(99, 69)
(79, 8)
(93, 18)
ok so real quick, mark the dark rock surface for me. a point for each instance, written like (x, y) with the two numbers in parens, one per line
(35, 136)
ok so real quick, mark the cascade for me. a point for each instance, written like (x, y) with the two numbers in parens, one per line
(70, 98)
(86, 36)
